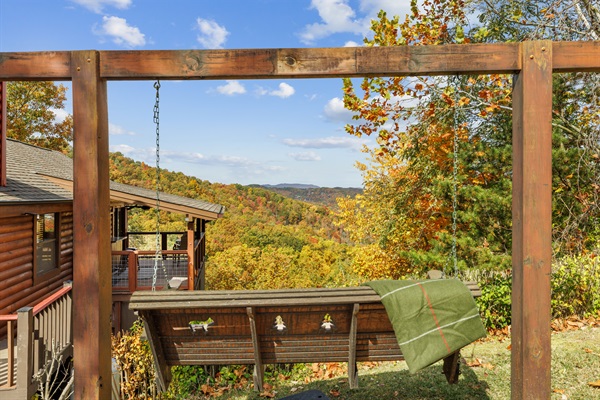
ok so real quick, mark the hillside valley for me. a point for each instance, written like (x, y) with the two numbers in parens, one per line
(267, 238)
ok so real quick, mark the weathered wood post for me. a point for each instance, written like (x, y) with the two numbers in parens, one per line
(92, 290)
(532, 222)
(25, 352)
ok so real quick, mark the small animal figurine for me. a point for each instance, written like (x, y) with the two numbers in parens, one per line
(201, 325)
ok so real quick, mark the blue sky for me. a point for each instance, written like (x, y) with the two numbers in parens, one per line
(247, 131)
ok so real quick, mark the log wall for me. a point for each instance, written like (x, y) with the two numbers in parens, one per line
(17, 287)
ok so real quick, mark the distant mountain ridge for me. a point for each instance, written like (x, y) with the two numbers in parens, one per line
(289, 185)
(312, 193)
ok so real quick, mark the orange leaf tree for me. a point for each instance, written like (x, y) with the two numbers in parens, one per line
(407, 209)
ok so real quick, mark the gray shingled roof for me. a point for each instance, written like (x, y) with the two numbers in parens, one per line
(26, 166)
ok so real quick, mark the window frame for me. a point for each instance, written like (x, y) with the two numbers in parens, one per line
(41, 272)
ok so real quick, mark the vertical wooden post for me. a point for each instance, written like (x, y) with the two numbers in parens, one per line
(532, 223)
(25, 352)
(258, 376)
(132, 263)
(3, 133)
(91, 229)
(191, 273)
(163, 371)
(201, 254)
(10, 347)
(352, 367)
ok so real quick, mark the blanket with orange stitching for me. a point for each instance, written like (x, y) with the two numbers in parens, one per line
(431, 318)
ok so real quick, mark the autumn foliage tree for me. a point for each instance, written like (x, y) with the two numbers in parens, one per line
(32, 115)
(441, 139)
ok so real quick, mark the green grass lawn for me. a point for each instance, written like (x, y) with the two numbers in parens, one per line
(575, 363)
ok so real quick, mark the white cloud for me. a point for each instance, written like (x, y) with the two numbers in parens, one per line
(391, 7)
(122, 148)
(231, 88)
(60, 114)
(336, 16)
(332, 142)
(261, 91)
(121, 32)
(114, 129)
(305, 156)
(241, 165)
(284, 91)
(98, 5)
(351, 43)
(212, 35)
(334, 110)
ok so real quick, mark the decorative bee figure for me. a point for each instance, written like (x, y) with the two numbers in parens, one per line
(201, 326)
(279, 325)
(327, 324)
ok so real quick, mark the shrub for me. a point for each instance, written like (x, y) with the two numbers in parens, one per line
(135, 364)
(576, 286)
(575, 291)
(186, 381)
(495, 301)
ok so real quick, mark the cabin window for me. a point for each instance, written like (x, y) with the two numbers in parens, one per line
(47, 242)
(118, 222)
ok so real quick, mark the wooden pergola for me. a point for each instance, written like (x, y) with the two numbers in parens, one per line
(532, 63)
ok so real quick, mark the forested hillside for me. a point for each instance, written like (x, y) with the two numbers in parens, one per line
(264, 240)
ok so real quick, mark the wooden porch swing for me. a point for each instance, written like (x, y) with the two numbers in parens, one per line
(532, 64)
(271, 327)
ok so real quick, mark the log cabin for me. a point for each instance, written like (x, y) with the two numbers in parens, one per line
(36, 240)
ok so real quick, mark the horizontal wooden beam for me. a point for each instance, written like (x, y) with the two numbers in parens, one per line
(43, 65)
(310, 63)
(576, 56)
(299, 62)
(26, 207)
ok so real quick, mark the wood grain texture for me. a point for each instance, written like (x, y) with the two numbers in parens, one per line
(576, 56)
(532, 224)
(44, 65)
(310, 63)
(91, 218)
(243, 329)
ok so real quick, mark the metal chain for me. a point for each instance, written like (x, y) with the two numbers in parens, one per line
(158, 254)
(456, 123)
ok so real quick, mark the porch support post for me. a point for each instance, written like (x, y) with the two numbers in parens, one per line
(3, 134)
(91, 219)
(532, 223)
(191, 273)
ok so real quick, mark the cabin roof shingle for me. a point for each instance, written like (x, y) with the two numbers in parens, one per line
(35, 174)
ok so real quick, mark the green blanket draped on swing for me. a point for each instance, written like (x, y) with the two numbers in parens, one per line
(432, 318)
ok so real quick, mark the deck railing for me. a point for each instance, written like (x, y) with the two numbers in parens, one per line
(134, 270)
(39, 330)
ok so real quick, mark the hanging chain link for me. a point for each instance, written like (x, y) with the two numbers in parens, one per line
(456, 123)
(158, 254)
